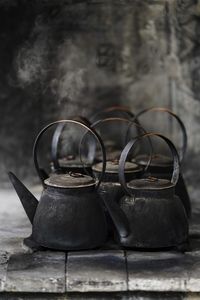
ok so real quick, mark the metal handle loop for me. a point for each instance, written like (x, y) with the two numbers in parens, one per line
(130, 123)
(125, 111)
(98, 138)
(163, 109)
(131, 144)
(56, 138)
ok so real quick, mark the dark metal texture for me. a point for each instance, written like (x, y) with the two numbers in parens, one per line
(70, 219)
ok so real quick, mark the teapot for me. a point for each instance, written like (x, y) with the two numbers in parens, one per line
(70, 214)
(150, 215)
(162, 165)
(132, 170)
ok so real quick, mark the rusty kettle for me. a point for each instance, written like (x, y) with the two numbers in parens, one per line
(70, 214)
(150, 215)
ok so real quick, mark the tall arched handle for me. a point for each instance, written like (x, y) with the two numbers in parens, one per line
(56, 138)
(129, 122)
(98, 138)
(125, 111)
(131, 144)
(163, 109)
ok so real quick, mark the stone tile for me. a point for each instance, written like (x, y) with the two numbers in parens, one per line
(96, 271)
(36, 272)
(4, 256)
(156, 271)
(193, 269)
(163, 272)
(15, 225)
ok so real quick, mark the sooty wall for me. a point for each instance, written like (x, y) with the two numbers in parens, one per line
(61, 58)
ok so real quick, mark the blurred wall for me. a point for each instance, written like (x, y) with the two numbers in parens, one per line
(61, 58)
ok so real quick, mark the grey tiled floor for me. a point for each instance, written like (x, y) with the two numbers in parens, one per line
(89, 271)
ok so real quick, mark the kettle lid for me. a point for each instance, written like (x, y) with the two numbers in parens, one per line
(69, 180)
(113, 167)
(157, 160)
(150, 183)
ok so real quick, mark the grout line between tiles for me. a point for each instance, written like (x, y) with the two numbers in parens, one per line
(126, 266)
(66, 271)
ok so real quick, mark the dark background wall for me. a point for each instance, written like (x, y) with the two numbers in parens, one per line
(61, 58)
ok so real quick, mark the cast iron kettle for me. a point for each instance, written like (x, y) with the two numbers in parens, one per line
(110, 182)
(162, 165)
(150, 216)
(70, 214)
(71, 162)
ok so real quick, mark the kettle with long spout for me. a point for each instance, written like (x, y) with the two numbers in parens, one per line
(70, 214)
(151, 215)
(162, 165)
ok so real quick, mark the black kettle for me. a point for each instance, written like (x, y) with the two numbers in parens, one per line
(70, 214)
(132, 170)
(150, 216)
(162, 165)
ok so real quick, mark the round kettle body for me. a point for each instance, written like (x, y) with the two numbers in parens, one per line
(162, 166)
(70, 219)
(156, 220)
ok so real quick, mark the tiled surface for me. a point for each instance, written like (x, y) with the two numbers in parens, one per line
(4, 256)
(91, 271)
(96, 271)
(36, 272)
(163, 272)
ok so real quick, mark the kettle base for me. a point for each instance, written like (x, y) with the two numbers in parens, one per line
(32, 245)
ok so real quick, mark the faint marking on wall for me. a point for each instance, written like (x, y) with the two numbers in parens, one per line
(106, 56)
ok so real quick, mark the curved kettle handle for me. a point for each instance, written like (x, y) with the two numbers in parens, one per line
(180, 122)
(40, 134)
(56, 138)
(131, 144)
(107, 120)
(125, 111)
(130, 124)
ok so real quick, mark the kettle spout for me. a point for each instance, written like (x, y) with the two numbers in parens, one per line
(117, 215)
(29, 202)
